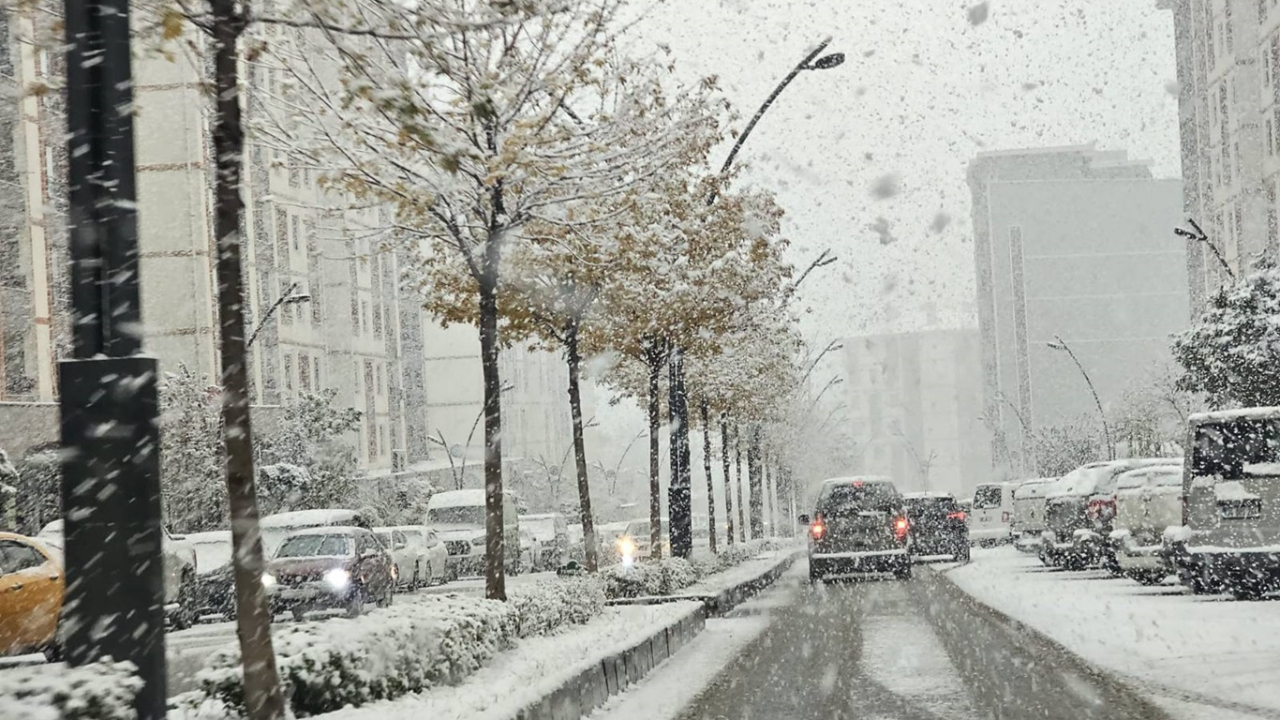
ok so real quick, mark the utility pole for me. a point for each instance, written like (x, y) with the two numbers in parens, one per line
(114, 599)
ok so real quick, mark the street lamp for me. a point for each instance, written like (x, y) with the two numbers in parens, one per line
(288, 298)
(1060, 344)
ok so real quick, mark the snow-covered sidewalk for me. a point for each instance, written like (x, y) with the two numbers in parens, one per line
(533, 669)
(1200, 657)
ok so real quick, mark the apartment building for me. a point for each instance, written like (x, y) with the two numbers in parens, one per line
(1228, 61)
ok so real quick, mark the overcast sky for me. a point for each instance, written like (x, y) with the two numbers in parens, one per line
(923, 90)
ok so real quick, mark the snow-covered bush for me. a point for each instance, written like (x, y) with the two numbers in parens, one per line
(410, 647)
(96, 691)
(670, 575)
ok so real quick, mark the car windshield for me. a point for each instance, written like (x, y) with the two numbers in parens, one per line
(986, 497)
(316, 546)
(781, 278)
(457, 515)
(855, 496)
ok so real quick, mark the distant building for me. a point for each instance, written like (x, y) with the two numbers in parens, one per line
(1228, 60)
(1072, 243)
(914, 401)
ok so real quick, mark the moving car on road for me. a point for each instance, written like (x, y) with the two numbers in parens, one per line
(636, 540)
(326, 568)
(1148, 500)
(1028, 513)
(458, 518)
(1230, 537)
(275, 528)
(550, 533)
(31, 584)
(991, 514)
(938, 526)
(179, 571)
(215, 591)
(407, 559)
(859, 524)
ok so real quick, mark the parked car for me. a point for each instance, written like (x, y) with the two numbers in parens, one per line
(328, 567)
(458, 518)
(1148, 500)
(858, 525)
(430, 559)
(1028, 513)
(275, 528)
(1230, 533)
(31, 587)
(179, 571)
(215, 592)
(407, 559)
(635, 542)
(991, 514)
(938, 526)
(550, 532)
(1079, 510)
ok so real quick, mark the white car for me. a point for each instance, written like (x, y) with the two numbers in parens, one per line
(1028, 513)
(991, 516)
(419, 556)
(179, 571)
(1148, 500)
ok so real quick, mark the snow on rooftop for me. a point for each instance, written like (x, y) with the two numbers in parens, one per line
(469, 497)
(1253, 413)
(857, 478)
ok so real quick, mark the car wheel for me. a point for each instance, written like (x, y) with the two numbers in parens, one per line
(299, 614)
(387, 596)
(355, 604)
(1154, 577)
(184, 616)
(903, 573)
(54, 652)
(963, 555)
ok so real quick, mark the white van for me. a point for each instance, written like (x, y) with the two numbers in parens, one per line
(991, 517)
(1028, 513)
(458, 517)
(276, 528)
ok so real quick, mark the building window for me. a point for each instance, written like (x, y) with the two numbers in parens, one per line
(1271, 140)
(364, 312)
(304, 372)
(288, 371)
(377, 319)
(377, 377)
(317, 371)
(282, 237)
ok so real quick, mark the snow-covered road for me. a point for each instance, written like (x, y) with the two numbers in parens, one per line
(1199, 657)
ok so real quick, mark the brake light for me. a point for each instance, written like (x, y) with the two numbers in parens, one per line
(817, 528)
(958, 515)
(900, 527)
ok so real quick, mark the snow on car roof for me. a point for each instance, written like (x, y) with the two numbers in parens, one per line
(211, 536)
(857, 478)
(542, 516)
(928, 495)
(470, 497)
(401, 528)
(327, 530)
(309, 518)
(1034, 488)
(1253, 413)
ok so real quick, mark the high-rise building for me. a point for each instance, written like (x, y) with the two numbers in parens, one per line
(1228, 60)
(914, 401)
(1076, 244)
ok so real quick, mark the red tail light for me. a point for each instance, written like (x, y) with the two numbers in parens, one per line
(817, 528)
(900, 527)
(958, 515)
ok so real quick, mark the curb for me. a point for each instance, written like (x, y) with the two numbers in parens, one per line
(581, 695)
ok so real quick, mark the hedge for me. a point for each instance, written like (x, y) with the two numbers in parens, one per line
(95, 691)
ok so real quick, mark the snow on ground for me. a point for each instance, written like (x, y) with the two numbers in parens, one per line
(1201, 657)
(531, 670)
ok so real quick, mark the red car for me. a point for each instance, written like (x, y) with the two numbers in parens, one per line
(328, 568)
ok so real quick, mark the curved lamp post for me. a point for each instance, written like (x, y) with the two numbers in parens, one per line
(1060, 344)
(288, 298)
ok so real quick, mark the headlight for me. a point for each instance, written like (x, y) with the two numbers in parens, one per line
(626, 547)
(337, 578)
(268, 581)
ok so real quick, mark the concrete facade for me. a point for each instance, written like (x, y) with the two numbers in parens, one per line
(1228, 60)
(914, 401)
(1074, 243)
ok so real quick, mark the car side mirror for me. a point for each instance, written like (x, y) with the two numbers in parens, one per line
(804, 519)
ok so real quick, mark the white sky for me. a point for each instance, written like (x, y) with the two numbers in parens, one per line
(922, 91)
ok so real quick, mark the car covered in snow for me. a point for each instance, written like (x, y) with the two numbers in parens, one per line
(279, 526)
(635, 542)
(859, 525)
(31, 587)
(1079, 509)
(458, 518)
(1148, 500)
(1230, 533)
(1028, 513)
(550, 534)
(327, 567)
(991, 513)
(215, 592)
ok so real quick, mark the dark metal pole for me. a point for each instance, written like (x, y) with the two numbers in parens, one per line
(114, 600)
(1106, 429)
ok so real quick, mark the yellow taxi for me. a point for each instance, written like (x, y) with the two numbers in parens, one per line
(31, 577)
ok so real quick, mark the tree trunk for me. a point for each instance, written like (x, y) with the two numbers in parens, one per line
(495, 578)
(579, 446)
(711, 483)
(262, 695)
(756, 482)
(728, 484)
(679, 492)
(737, 452)
(654, 361)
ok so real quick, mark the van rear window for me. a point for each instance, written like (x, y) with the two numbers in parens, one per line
(986, 497)
(858, 497)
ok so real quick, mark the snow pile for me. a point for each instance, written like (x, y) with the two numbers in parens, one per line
(96, 691)
(432, 640)
(671, 575)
